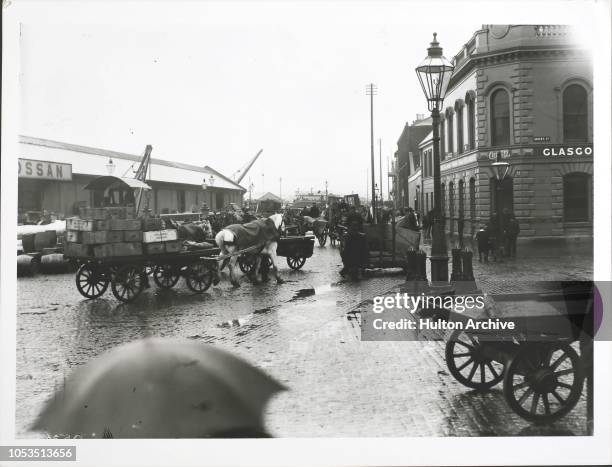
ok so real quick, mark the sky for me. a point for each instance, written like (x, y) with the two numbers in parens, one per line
(225, 80)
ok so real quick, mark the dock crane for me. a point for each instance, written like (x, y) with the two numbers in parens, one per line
(241, 173)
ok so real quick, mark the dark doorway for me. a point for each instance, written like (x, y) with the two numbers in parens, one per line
(502, 195)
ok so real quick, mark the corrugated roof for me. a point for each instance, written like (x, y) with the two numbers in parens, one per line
(93, 161)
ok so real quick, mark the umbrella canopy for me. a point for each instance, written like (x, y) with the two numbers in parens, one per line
(108, 181)
(160, 388)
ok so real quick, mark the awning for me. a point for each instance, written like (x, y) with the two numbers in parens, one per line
(108, 181)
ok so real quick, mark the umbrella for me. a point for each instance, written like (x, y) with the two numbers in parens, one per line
(161, 388)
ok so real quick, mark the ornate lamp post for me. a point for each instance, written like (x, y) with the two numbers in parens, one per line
(434, 74)
(501, 170)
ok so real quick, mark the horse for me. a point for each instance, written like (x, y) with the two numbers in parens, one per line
(263, 233)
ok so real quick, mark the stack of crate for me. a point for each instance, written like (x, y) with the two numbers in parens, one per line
(157, 240)
(104, 232)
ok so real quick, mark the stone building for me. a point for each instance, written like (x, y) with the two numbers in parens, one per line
(521, 93)
(406, 158)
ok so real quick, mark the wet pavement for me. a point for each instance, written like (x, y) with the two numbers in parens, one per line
(304, 332)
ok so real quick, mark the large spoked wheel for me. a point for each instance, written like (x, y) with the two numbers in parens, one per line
(469, 365)
(128, 282)
(332, 240)
(198, 277)
(543, 382)
(166, 276)
(91, 280)
(322, 238)
(295, 262)
(246, 263)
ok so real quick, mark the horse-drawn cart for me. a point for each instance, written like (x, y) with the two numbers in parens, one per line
(296, 249)
(127, 275)
(543, 363)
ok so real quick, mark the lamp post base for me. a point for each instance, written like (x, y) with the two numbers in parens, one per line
(439, 270)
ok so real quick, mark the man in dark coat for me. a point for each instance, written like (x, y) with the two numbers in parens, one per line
(355, 252)
(315, 212)
(482, 239)
(512, 231)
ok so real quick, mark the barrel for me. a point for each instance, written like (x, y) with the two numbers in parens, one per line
(26, 265)
(55, 263)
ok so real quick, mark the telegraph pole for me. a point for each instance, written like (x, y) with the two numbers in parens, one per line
(371, 91)
(380, 170)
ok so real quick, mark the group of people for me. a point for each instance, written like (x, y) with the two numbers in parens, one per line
(498, 238)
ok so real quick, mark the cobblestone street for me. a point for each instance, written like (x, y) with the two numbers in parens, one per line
(305, 333)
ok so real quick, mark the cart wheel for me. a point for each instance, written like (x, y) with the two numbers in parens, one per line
(296, 262)
(246, 263)
(199, 277)
(128, 282)
(543, 382)
(332, 240)
(166, 276)
(322, 238)
(91, 280)
(468, 364)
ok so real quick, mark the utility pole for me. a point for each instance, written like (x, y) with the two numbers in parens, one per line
(371, 91)
(326, 196)
(380, 169)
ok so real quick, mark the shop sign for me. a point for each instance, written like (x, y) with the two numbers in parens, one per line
(541, 139)
(505, 153)
(44, 170)
(568, 151)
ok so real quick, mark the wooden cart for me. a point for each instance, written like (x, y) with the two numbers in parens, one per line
(127, 275)
(543, 364)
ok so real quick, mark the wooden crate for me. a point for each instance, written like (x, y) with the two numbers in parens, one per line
(154, 248)
(102, 225)
(83, 225)
(152, 223)
(156, 236)
(103, 251)
(174, 246)
(103, 236)
(131, 235)
(125, 224)
(127, 249)
(77, 250)
(74, 236)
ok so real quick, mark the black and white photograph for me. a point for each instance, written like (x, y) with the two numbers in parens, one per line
(306, 222)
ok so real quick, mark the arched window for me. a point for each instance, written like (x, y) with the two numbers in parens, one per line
(442, 142)
(472, 202)
(442, 200)
(500, 118)
(471, 123)
(461, 197)
(459, 112)
(576, 197)
(451, 204)
(449, 123)
(575, 113)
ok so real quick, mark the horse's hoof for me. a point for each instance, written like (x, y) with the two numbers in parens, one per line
(280, 281)
(236, 284)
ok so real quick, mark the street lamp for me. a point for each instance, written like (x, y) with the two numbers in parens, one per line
(204, 186)
(211, 180)
(434, 74)
(500, 168)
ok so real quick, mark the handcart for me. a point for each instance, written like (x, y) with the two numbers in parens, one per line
(543, 363)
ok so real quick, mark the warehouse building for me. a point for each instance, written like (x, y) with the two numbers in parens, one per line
(52, 176)
(521, 93)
